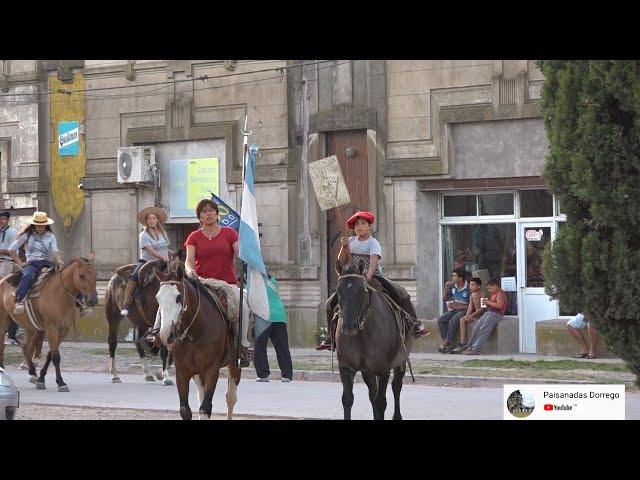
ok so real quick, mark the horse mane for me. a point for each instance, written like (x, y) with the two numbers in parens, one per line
(74, 261)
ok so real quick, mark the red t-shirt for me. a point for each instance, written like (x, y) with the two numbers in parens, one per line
(214, 258)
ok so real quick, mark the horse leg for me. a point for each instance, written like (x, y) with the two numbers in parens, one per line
(199, 392)
(381, 397)
(3, 328)
(396, 386)
(346, 376)
(166, 363)
(114, 323)
(182, 382)
(40, 383)
(27, 352)
(143, 359)
(54, 344)
(372, 384)
(233, 380)
(38, 346)
(211, 381)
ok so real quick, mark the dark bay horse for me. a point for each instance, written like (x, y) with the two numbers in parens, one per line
(55, 311)
(142, 314)
(371, 340)
(200, 342)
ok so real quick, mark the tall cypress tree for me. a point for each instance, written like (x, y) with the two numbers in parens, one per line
(591, 112)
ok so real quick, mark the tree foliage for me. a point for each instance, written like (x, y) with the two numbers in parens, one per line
(591, 112)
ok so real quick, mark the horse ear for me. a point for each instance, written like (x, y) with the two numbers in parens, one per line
(159, 275)
(181, 254)
(92, 256)
(179, 273)
(361, 267)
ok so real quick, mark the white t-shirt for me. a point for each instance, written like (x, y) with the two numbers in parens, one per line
(362, 251)
(160, 245)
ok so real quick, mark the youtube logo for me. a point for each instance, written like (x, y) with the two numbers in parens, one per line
(548, 406)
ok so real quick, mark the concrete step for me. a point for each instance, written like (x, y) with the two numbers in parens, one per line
(553, 338)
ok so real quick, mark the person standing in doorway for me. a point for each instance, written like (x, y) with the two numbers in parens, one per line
(276, 331)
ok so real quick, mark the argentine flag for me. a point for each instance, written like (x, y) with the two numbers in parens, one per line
(249, 250)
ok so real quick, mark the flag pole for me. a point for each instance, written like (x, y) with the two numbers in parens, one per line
(243, 266)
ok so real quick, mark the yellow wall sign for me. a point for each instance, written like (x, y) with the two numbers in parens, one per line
(202, 176)
(191, 181)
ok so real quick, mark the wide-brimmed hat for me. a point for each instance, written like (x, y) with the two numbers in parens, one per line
(368, 216)
(159, 212)
(40, 218)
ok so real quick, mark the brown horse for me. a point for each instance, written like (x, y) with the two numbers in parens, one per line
(142, 314)
(369, 339)
(55, 311)
(200, 341)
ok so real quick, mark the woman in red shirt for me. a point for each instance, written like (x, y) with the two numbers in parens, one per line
(211, 251)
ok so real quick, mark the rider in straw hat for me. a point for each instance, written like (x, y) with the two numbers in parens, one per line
(41, 251)
(154, 244)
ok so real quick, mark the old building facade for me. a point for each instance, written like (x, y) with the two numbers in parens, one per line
(447, 154)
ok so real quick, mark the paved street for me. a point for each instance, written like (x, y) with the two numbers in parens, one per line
(301, 400)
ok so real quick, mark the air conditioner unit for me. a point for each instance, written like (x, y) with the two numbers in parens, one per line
(135, 164)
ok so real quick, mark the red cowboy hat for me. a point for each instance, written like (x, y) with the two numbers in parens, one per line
(368, 216)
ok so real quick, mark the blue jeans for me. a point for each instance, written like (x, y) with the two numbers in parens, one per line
(136, 270)
(29, 273)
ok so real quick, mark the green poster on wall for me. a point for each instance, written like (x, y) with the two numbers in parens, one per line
(202, 178)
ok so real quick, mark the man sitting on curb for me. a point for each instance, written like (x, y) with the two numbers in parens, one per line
(457, 295)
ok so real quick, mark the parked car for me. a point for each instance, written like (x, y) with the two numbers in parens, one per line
(9, 397)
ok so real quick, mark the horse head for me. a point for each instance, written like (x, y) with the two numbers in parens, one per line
(176, 263)
(171, 303)
(353, 297)
(84, 279)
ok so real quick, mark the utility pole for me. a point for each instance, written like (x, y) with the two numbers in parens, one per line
(304, 240)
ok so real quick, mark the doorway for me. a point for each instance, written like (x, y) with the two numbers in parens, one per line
(351, 149)
(535, 304)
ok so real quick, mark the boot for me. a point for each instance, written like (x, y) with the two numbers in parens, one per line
(129, 293)
(417, 328)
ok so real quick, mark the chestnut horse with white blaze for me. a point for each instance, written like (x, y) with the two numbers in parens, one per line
(199, 338)
(55, 311)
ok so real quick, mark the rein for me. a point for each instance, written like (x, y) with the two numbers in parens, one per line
(176, 326)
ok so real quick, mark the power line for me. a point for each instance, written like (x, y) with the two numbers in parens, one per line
(168, 82)
(150, 93)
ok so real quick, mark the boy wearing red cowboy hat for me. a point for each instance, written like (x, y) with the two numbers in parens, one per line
(362, 247)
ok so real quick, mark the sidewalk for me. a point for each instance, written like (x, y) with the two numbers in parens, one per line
(433, 369)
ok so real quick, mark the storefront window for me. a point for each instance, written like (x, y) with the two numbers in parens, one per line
(496, 204)
(536, 203)
(484, 250)
(460, 206)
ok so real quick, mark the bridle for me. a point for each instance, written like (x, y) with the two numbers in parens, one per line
(82, 280)
(366, 305)
(175, 328)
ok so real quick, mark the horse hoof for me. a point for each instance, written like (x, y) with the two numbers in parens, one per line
(33, 378)
(63, 388)
(167, 382)
(40, 385)
(149, 378)
(116, 380)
